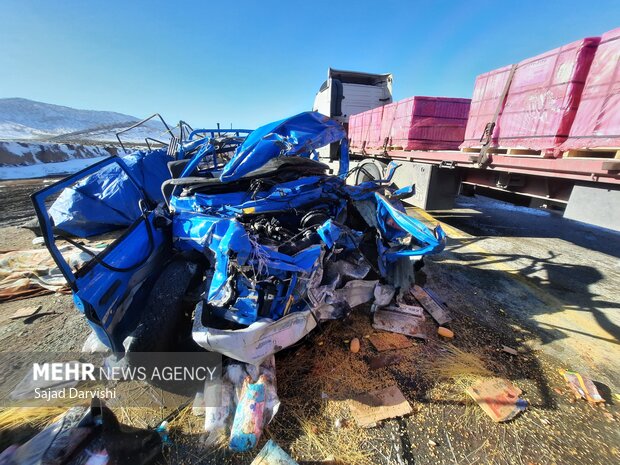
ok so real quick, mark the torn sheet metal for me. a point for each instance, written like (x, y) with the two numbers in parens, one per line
(299, 135)
(281, 242)
(400, 320)
(437, 311)
(263, 338)
(396, 224)
(108, 199)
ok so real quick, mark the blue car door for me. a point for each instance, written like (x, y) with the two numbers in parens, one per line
(110, 276)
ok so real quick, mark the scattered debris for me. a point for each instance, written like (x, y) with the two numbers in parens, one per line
(509, 350)
(582, 387)
(498, 397)
(404, 319)
(82, 433)
(272, 454)
(243, 402)
(432, 443)
(445, 332)
(355, 345)
(247, 426)
(29, 273)
(370, 408)
(437, 311)
(26, 312)
(384, 360)
(389, 341)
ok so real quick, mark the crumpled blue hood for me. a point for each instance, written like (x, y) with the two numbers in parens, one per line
(298, 135)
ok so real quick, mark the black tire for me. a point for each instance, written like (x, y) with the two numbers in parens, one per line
(159, 323)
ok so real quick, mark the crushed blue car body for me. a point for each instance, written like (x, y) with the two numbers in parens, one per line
(109, 199)
(280, 243)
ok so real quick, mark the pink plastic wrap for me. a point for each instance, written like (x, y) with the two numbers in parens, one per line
(425, 123)
(487, 92)
(355, 131)
(597, 123)
(373, 136)
(387, 122)
(542, 100)
(358, 130)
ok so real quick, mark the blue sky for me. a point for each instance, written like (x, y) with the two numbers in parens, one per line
(249, 63)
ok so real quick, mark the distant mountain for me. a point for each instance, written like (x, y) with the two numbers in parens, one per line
(28, 120)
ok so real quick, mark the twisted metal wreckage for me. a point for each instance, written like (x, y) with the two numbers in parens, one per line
(240, 242)
(236, 242)
(253, 228)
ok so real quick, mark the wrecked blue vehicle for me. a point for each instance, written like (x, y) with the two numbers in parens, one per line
(246, 245)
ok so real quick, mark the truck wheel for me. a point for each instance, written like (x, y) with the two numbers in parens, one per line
(370, 170)
(157, 330)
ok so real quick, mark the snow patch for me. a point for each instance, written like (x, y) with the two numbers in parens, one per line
(30, 120)
(42, 170)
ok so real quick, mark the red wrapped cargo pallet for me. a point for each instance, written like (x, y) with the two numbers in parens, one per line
(373, 130)
(387, 122)
(358, 129)
(365, 128)
(415, 123)
(355, 131)
(488, 89)
(426, 123)
(597, 123)
(541, 103)
(365, 118)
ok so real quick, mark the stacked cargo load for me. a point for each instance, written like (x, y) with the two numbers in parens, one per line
(597, 122)
(355, 131)
(387, 123)
(373, 134)
(426, 123)
(415, 123)
(488, 90)
(540, 104)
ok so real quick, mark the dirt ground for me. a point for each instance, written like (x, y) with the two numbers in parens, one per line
(510, 276)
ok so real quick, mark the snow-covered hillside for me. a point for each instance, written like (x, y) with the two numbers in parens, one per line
(21, 160)
(39, 139)
(23, 119)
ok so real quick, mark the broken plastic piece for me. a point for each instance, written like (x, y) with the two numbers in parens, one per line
(582, 387)
(272, 454)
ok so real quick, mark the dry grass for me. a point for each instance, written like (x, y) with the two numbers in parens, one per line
(323, 437)
(36, 417)
(456, 365)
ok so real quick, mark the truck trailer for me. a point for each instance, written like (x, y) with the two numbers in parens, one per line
(586, 188)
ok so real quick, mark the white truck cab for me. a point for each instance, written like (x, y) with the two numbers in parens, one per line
(346, 93)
